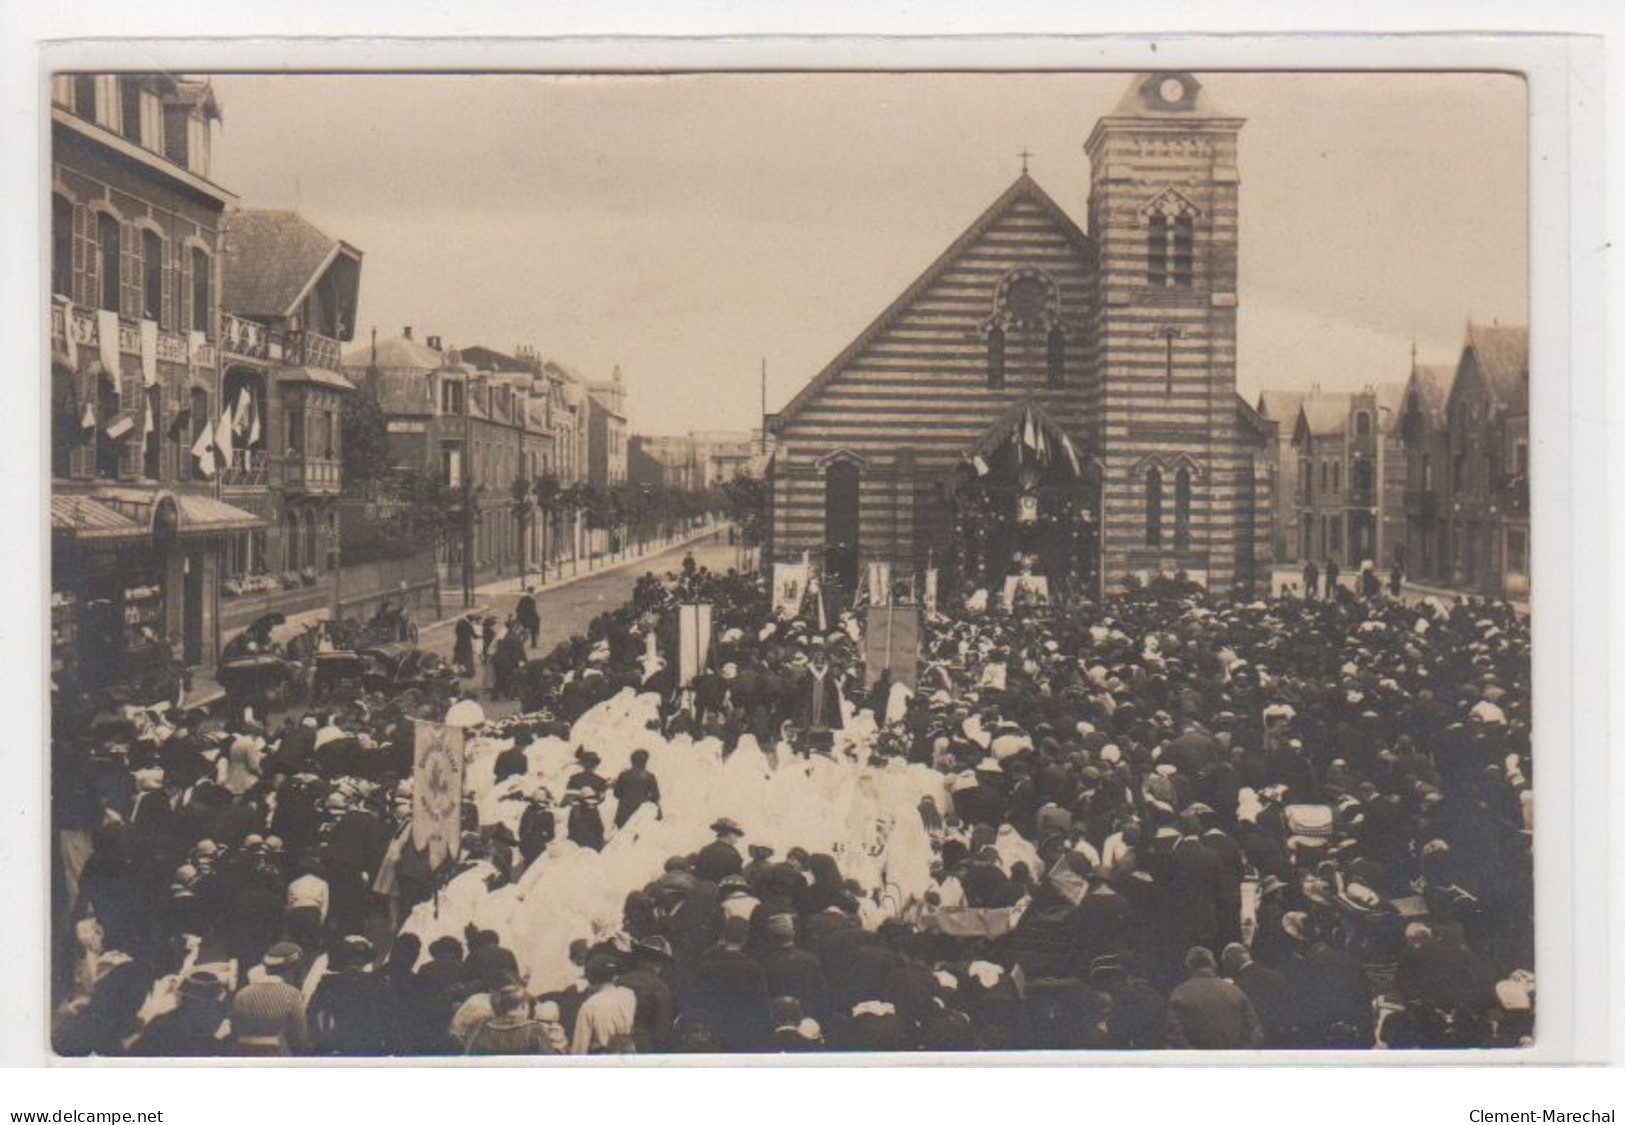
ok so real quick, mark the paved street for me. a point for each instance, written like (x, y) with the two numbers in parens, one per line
(567, 609)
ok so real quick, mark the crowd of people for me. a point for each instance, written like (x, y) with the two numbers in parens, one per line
(1163, 820)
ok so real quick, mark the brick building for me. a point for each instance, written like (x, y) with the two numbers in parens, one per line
(1477, 495)
(1281, 407)
(1049, 392)
(1427, 456)
(290, 293)
(606, 432)
(1350, 478)
(137, 524)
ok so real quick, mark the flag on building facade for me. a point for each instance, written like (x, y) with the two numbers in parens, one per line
(222, 438)
(203, 450)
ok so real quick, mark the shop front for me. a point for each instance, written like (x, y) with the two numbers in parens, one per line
(135, 583)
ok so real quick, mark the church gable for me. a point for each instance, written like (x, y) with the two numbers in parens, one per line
(999, 318)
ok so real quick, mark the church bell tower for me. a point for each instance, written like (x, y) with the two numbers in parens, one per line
(1177, 492)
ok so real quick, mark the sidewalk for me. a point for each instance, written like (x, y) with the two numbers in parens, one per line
(512, 587)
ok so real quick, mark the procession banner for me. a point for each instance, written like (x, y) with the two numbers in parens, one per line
(693, 641)
(879, 583)
(891, 640)
(789, 587)
(437, 791)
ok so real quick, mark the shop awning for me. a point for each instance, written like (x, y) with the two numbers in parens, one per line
(320, 376)
(84, 519)
(204, 515)
(195, 515)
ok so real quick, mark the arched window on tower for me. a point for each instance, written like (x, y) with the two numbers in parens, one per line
(1153, 508)
(1184, 250)
(995, 357)
(1056, 368)
(1156, 272)
(1182, 510)
(1170, 248)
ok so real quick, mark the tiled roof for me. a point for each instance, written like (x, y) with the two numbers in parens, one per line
(270, 259)
(1503, 357)
(1326, 414)
(1280, 406)
(394, 353)
(1429, 387)
(1390, 396)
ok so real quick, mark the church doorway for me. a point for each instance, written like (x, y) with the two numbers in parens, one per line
(1026, 503)
(841, 522)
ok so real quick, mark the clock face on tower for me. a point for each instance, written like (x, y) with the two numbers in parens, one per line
(1170, 92)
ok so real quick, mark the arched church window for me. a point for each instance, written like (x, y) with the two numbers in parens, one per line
(1182, 510)
(1056, 367)
(995, 357)
(1153, 508)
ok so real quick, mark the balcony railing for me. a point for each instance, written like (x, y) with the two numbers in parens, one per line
(249, 468)
(312, 349)
(172, 346)
(301, 473)
(253, 340)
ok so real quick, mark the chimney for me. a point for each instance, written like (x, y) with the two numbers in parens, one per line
(407, 332)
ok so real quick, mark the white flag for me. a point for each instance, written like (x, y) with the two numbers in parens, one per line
(222, 438)
(253, 422)
(147, 423)
(239, 420)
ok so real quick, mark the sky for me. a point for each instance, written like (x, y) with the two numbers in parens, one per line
(689, 227)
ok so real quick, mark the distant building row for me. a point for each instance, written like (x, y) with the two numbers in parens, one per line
(490, 421)
(1432, 472)
(694, 461)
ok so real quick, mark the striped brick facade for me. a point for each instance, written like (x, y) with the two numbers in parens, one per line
(911, 397)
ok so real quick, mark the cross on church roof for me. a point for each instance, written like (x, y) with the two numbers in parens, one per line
(1024, 154)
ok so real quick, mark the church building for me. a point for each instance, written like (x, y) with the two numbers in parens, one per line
(1052, 399)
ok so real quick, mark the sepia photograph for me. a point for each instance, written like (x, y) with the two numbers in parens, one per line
(724, 563)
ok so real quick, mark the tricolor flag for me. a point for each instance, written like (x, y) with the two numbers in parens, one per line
(148, 424)
(88, 419)
(253, 422)
(239, 419)
(222, 437)
(203, 450)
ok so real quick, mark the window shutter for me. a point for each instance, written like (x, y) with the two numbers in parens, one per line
(92, 294)
(166, 298)
(130, 270)
(184, 257)
(81, 255)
